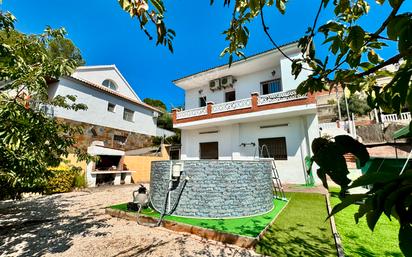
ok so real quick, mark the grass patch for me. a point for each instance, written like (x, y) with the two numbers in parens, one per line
(300, 229)
(248, 226)
(358, 240)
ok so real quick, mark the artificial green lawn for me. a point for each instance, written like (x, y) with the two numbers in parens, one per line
(358, 240)
(300, 229)
(249, 226)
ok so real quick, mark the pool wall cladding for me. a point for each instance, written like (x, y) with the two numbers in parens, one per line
(216, 189)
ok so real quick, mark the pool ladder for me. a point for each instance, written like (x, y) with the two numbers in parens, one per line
(276, 183)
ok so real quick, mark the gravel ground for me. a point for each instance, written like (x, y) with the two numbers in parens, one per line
(74, 224)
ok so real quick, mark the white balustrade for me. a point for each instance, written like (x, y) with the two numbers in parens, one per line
(328, 125)
(389, 117)
(405, 116)
(191, 113)
(279, 97)
(233, 105)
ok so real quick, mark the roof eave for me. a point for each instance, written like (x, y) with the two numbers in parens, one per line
(98, 87)
(225, 66)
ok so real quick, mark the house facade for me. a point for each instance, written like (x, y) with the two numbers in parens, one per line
(116, 121)
(247, 111)
(115, 115)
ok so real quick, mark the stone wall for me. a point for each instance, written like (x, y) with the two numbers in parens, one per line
(113, 138)
(376, 133)
(215, 189)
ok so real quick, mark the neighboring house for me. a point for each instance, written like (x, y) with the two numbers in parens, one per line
(405, 116)
(115, 115)
(116, 121)
(232, 112)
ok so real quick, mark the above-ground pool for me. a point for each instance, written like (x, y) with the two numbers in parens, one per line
(215, 189)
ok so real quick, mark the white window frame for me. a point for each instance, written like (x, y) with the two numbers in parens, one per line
(126, 115)
(111, 84)
(108, 107)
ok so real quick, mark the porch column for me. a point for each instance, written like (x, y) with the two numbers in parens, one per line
(209, 109)
(90, 178)
(174, 111)
(254, 96)
(117, 178)
(235, 134)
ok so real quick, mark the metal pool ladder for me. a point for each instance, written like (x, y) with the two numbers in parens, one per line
(276, 183)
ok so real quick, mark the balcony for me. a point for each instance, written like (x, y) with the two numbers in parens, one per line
(255, 103)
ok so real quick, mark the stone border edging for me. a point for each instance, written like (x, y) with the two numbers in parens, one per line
(336, 236)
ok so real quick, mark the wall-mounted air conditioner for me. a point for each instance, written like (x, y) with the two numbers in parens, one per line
(214, 84)
(227, 81)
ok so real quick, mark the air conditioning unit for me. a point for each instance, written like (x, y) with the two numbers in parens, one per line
(214, 84)
(227, 81)
(155, 115)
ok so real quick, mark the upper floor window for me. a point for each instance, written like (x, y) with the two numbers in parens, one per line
(128, 115)
(230, 96)
(202, 101)
(271, 86)
(111, 107)
(109, 84)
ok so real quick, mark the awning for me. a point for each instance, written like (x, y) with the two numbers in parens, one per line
(404, 132)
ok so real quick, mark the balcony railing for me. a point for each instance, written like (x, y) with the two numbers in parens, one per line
(191, 113)
(252, 104)
(404, 116)
(233, 105)
(279, 97)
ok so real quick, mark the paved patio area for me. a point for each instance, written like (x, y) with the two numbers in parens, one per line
(74, 224)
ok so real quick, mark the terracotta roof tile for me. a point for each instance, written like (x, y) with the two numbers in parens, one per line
(112, 92)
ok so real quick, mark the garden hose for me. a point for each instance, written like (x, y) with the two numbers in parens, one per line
(174, 205)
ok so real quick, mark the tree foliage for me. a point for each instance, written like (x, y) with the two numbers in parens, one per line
(354, 63)
(356, 104)
(155, 103)
(31, 140)
(64, 47)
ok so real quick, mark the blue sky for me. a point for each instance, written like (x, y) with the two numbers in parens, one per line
(106, 35)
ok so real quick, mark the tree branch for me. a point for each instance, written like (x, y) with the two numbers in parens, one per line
(386, 22)
(373, 36)
(391, 60)
(144, 28)
(316, 18)
(265, 29)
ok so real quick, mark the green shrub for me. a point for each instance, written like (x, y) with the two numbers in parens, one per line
(62, 179)
(80, 181)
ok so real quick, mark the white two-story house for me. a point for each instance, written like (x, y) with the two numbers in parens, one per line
(247, 111)
(115, 116)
